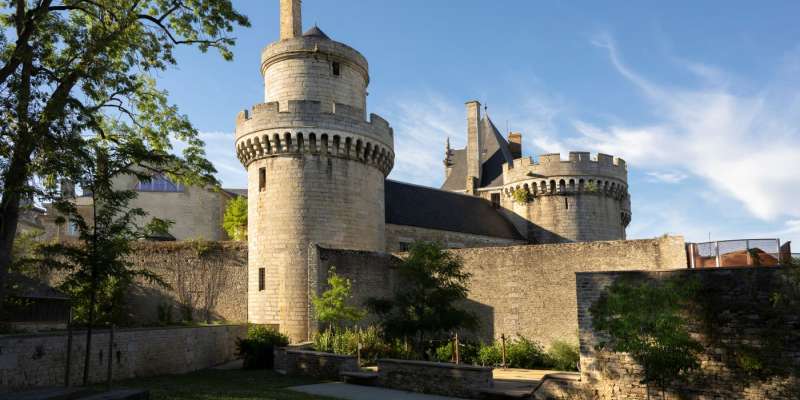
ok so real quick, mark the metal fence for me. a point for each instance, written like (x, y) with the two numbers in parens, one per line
(737, 253)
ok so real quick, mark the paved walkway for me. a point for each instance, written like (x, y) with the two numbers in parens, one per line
(358, 392)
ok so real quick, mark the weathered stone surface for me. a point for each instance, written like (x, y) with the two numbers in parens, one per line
(314, 364)
(527, 290)
(740, 304)
(40, 360)
(434, 378)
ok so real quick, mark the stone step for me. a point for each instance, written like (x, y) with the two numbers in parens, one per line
(365, 378)
(503, 394)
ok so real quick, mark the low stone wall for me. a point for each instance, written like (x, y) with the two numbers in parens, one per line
(734, 319)
(434, 378)
(313, 363)
(39, 360)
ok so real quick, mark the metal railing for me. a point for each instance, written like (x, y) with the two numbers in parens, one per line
(736, 253)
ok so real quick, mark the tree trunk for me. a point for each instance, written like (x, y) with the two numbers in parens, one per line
(17, 174)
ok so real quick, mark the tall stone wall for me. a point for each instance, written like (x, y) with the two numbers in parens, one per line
(40, 360)
(528, 290)
(735, 318)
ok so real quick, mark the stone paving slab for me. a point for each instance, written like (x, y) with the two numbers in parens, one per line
(356, 392)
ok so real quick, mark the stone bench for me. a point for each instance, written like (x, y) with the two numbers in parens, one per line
(360, 378)
(315, 364)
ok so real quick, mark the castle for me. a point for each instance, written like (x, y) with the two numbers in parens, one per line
(317, 169)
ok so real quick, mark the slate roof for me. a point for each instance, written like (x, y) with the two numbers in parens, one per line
(424, 207)
(494, 154)
(315, 32)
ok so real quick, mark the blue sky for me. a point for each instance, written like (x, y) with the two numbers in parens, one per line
(701, 98)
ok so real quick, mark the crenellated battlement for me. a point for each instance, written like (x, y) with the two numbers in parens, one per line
(313, 115)
(578, 164)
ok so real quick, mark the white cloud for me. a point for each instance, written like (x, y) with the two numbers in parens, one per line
(743, 145)
(667, 176)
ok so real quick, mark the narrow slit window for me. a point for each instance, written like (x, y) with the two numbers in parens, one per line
(261, 279)
(337, 68)
(566, 203)
(262, 179)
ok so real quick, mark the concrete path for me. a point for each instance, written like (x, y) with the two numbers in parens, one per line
(358, 392)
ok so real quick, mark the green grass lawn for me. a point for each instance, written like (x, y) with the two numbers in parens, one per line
(222, 385)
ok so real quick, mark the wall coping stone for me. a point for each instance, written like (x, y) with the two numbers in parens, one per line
(433, 364)
(103, 330)
(318, 354)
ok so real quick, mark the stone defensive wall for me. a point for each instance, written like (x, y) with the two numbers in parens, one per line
(313, 47)
(580, 173)
(751, 345)
(306, 126)
(39, 360)
(206, 281)
(527, 290)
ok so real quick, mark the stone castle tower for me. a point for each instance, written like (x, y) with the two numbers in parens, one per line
(316, 167)
(580, 199)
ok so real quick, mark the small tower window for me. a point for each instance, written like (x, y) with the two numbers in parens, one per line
(566, 203)
(336, 68)
(262, 279)
(262, 179)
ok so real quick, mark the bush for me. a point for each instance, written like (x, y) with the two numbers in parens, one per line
(257, 350)
(345, 342)
(563, 356)
(468, 353)
(521, 352)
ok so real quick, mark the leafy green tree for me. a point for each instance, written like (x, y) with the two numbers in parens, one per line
(426, 302)
(66, 66)
(235, 220)
(332, 306)
(648, 322)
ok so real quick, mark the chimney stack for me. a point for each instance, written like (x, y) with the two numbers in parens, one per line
(474, 146)
(515, 144)
(291, 19)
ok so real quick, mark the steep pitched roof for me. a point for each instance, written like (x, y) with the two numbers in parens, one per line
(494, 154)
(315, 32)
(423, 207)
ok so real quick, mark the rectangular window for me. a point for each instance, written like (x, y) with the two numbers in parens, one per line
(262, 179)
(262, 279)
(336, 68)
(496, 200)
(159, 183)
(405, 246)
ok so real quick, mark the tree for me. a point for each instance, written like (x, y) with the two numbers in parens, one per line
(331, 307)
(648, 322)
(425, 303)
(68, 64)
(235, 220)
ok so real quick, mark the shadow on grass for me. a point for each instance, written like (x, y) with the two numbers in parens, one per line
(222, 385)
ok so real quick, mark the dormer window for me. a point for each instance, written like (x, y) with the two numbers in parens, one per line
(336, 68)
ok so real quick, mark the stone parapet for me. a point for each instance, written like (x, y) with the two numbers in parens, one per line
(305, 127)
(579, 164)
(314, 364)
(435, 378)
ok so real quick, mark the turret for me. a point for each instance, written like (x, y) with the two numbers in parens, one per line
(316, 169)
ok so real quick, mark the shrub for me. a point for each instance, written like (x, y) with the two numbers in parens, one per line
(563, 356)
(257, 349)
(521, 352)
(467, 354)
(345, 342)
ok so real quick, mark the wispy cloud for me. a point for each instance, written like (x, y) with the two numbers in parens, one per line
(743, 145)
(667, 176)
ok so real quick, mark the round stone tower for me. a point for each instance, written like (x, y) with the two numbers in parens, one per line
(576, 200)
(316, 168)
